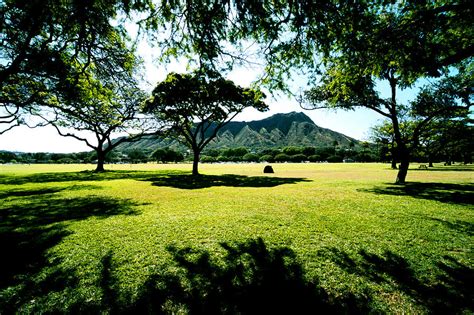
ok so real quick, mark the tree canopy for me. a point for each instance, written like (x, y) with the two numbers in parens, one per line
(398, 43)
(45, 46)
(195, 106)
(102, 107)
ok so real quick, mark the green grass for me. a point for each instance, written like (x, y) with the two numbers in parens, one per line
(333, 237)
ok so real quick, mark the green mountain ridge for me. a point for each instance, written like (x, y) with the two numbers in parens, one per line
(279, 130)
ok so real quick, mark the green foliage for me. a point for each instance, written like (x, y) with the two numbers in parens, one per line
(250, 157)
(325, 152)
(165, 155)
(334, 159)
(309, 151)
(266, 158)
(315, 158)
(282, 157)
(398, 43)
(298, 158)
(212, 152)
(196, 106)
(137, 156)
(47, 45)
(208, 159)
(292, 150)
(235, 152)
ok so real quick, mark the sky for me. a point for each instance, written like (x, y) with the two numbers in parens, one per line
(355, 124)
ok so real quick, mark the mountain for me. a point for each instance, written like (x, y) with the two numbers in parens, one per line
(279, 130)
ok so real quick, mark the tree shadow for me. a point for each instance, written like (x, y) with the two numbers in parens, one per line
(450, 168)
(18, 192)
(450, 293)
(462, 194)
(459, 226)
(81, 176)
(177, 179)
(30, 228)
(186, 181)
(250, 278)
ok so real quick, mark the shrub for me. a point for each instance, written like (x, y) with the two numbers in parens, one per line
(298, 158)
(325, 152)
(222, 158)
(266, 158)
(282, 157)
(334, 159)
(314, 158)
(208, 159)
(292, 150)
(236, 152)
(167, 155)
(212, 152)
(271, 152)
(308, 151)
(65, 161)
(250, 157)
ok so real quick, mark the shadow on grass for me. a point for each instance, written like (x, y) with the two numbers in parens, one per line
(29, 228)
(177, 179)
(450, 168)
(444, 192)
(81, 176)
(251, 278)
(460, 226)
(18, 192)
(186, 181)
(450, 293)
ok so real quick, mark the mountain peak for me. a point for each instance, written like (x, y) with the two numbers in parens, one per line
(295, 117)
(282, 121)
(278, 130)
(287, 117)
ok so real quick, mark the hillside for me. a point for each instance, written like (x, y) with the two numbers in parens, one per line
(279, 130)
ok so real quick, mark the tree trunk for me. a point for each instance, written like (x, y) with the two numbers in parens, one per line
(195, 162)
(100, 161)
(394, 164)
(402, 172)
(404, 164)
(403, 154)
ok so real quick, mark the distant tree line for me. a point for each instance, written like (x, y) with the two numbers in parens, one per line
(447, 148)
(295, 154)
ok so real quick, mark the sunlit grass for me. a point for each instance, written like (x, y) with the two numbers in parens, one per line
(343, 221)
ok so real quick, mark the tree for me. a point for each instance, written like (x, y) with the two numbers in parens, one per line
(165, 155)
(136, 156)
(250, 157)
(42, 42)
(448, 140)
(102, 107)
(398, 44)
(196, 106)
(383, 136)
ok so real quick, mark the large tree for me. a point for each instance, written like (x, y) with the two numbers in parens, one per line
(397, 44)
(101, 108)
(196, 106)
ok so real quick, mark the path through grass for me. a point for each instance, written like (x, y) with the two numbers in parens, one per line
(333, 237)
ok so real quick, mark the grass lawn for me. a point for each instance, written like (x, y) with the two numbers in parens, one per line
(151, 238)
